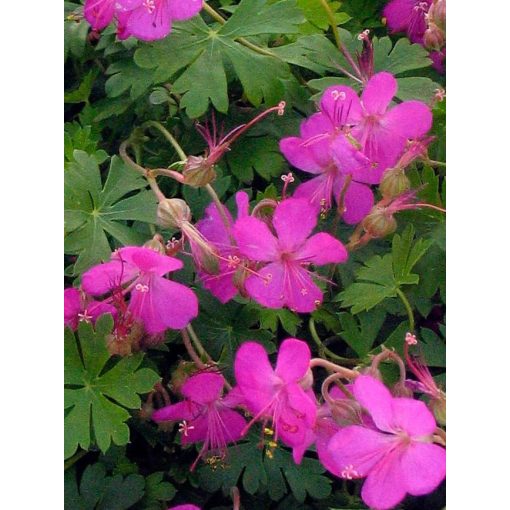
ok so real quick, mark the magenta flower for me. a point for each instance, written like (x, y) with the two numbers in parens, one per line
(206, 416)
(156, 301)
(77, 310)
(184, 507)
(324, 151)
(381, 131)
(285, 281)
(408, 16)
(275, 395)
(398, 456)
(212, 227)
(152, 19)
(99, 13)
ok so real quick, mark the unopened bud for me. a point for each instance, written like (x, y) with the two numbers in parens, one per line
(394, 182)
(198, 172)
(434, 38)
(437, 14)
(438, 408)
(173, 212)
(157, 244)
(346, 412)
(379, 224)
(204, 253)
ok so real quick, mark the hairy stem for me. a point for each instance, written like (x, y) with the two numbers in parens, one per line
(191, 350)
(408, 308)
(328, 365)
(168, 136)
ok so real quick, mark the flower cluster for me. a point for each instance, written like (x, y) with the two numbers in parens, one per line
(362, 431)
(424, 22)
(351, 141)
(147, 20)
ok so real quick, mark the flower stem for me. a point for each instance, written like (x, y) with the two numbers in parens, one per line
(323, 350)
(198, 344)
(191, 350)
(168, 136)
(336, 35)
(75, 458)
(408, 308)
(328, 365)
(431, 162)
(146, 173)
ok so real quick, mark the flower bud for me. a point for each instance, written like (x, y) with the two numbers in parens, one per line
(434, 38)
(437, 14)
(438, 408)
(394, 182)
(378, 223)
(157, 244)
(173, 212)
(198, 172)
(346, 412)
(204, 254)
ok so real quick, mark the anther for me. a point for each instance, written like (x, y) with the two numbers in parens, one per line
(349, 472)
(411, 339)
(140, 287)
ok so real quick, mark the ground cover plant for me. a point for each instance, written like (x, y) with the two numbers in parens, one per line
(254, 296)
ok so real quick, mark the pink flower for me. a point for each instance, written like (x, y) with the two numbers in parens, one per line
(152, 19)
(99, 13)
(284, 281)
(157, 302)
(184, 507)
(207, 416)
(408, 16)
(381, 131)
(275, 395)
(398, 456)
(213, 228)
(77, 310)
(323, 150)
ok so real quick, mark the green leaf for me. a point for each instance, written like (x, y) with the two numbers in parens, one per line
(126, 75)
(317, 16)
(400, 58)
(82, 93)
(382, 276)
(261, 155)
(208, 55)
(97, 398)
(93, 211)
(269, 319)
(98, 491)
(157, 491)
(260, 470)
(360, 332)
(416, 87)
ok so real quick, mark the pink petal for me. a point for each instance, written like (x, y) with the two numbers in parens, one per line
(267, 286)
(299, 450)
(254, 375)
(410, 119)
(293, 360)
(176, 412)
(165, 305)
(341, 105)
(105, 277)
(197, 429)
(413, 416)
(322, 249)
(99, 13)
(184, 9)
(301, 293)
(294, 219)
(317, 191)
(243, 204)
(203, 388)
(316, 133)
(72, 307)
(97, 308)
(184, 507)
(234, 424)
(358, 202)
(127, 5)
(255, 240)
(424, 467)
(234, 398)
(221, 285)
(359, 447)
(299, 155)
(147, 24)
(398, 13)
(378, 93)
(376, 399)
(148, 260)
(348, 159)
(326, 428)
(385, 485)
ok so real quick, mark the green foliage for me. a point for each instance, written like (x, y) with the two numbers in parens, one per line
(383, 276)
(209, 54)
(99, 391)
(97, 491)
(93, 210)
(263, 471)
